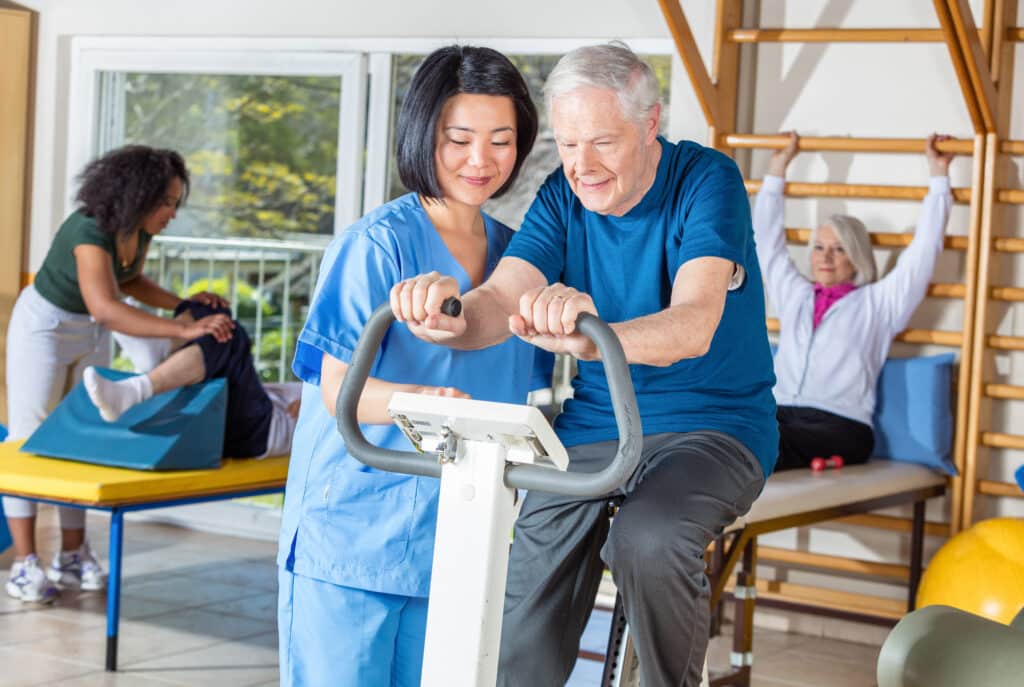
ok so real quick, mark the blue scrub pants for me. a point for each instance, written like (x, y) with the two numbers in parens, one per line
(334, 636)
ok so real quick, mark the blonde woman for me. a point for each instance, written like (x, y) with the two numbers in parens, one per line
(836, 328)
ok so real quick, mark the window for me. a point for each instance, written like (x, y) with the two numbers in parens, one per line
(262, 150)
(274, 137)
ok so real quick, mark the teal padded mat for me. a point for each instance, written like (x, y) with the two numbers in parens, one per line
(177, 430)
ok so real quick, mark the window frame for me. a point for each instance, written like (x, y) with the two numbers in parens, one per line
(91, 61)
(363, 66)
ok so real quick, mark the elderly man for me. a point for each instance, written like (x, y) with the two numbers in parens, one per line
(655, 238)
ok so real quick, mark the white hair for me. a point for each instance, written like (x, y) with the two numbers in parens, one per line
(853, 236)
(611, 66)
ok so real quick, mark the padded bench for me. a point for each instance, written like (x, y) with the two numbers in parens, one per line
(798, 498)
(119, 491)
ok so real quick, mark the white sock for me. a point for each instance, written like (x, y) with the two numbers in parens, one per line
(113, 398)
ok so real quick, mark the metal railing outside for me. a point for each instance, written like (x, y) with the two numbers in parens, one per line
(268, 282)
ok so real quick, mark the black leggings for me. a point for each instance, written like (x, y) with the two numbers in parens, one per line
(806, 433)
(247, 423)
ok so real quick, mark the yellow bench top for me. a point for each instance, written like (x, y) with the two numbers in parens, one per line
(25, 474)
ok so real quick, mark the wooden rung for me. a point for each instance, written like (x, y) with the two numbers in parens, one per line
(1011, 294)
(930, 336)
(1005, 391)
(913, 336)
(937, 290)
(1015, 33)
(1008, 245)
(800, 189)
(835, 36)
(891, 523)
(1000, 440)
(941, 290)
(845, 144)
(894, 523)
(1011, 147)
(1006, 343)
(993, 488)
(817, 560)
(1014, 196)
(831, 598)
(917, 336)
(885, 239)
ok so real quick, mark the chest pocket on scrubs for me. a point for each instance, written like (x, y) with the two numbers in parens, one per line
(374, 511)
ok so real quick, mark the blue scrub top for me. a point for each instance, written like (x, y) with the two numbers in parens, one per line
(343, 522)
(697, 207)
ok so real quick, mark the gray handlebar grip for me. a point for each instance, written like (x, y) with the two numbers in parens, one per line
(627, 418)
(347, 405)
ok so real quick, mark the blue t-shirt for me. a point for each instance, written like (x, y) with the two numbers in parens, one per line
(696, 208)
(344, 522)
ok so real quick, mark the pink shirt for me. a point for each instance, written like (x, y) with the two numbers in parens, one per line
(825, 296)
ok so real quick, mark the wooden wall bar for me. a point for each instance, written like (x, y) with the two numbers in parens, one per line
(974, 53)
(799, 189)
(844, 144)
(980, 490)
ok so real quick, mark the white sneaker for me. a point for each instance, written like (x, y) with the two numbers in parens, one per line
(29, 583)
(77, 569)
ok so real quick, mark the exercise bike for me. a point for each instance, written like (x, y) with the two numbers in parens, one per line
(483, 452)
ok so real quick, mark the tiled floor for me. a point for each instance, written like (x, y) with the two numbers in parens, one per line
(199, 609)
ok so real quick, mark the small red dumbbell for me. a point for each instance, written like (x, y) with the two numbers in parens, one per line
(834, 461)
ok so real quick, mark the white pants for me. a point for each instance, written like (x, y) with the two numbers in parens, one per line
(48, 348)
(282, 424)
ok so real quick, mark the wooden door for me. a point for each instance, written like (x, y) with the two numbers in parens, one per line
(17, 66)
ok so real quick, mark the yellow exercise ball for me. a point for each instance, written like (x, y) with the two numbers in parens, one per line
(980, 570)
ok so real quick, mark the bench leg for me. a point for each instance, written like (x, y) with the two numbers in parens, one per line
(114, 586)
(916, 548)
(745, 593)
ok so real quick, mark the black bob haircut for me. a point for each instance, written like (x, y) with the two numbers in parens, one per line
(122, 187)
(445, 73)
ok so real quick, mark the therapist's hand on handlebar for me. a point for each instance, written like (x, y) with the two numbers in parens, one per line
(547, 319)
(417, 302)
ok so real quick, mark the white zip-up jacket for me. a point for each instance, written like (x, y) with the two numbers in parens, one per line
(835, 367)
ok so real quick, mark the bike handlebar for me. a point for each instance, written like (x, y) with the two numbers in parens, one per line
(582, 484)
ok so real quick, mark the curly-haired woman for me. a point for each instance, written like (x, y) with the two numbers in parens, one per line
(61, 324)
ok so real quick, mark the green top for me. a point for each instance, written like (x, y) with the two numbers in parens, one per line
(57, 279)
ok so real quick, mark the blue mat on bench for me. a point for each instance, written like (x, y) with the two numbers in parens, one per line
(177, 430)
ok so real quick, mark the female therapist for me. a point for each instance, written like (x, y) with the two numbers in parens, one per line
(356, 543)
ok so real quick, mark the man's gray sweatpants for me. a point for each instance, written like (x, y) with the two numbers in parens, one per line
(687, 488)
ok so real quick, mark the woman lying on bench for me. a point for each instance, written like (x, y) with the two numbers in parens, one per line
(260, 419)
(836, 330)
